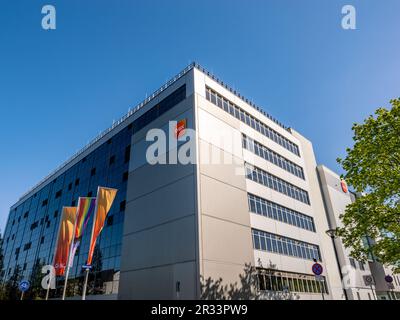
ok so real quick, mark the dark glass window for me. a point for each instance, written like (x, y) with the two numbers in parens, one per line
(122, 206)
(127, 155)
(112, 160)
(34, 225)
(27, 246)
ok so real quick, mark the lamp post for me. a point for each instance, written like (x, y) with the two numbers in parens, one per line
(332, 234)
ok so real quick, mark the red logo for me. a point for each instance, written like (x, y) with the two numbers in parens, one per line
(344, 186)
(180, 128)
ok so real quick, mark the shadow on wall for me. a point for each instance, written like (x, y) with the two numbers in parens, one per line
(246, 289)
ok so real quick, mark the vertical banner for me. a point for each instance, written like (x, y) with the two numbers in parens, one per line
(86, 206)
(105, 199)
(65, 237)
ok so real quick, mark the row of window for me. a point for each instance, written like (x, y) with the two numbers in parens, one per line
(272, 280)
(163, 106)
(272, 157)
(269, 242)
(245, 117)
(277, 212)
(354, 265)
(260, 176)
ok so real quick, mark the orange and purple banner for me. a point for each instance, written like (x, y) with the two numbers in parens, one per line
(105, 199)
(64, 240)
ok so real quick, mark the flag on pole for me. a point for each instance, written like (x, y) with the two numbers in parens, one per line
(105, 199)
(64, 239)
(86, 206)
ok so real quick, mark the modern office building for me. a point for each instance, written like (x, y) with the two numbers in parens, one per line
(337, 196)
(236, 198)
(364, 281)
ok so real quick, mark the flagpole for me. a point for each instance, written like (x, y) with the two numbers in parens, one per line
(54, 254)
(70, 251)
(91, 235)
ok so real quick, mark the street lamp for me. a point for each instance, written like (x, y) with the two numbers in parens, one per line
(332, 233)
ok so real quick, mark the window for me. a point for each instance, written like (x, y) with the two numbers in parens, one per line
(243, 116)
(352, 263)
(260, 176)
(70, 187)
(58, 194)
(163, 106)
(34, 225)
(56, 214)
(27, 246)
(41, 240)
(276, 280)
(93, 172)
(272, 156)
(112, 160)
(26, 214)
(361, 265)
(45, 202)
(110, 220)
(127, 155)
(265, 207)
(122, 206)
(125, 176)
(284, 245)
(77, 182)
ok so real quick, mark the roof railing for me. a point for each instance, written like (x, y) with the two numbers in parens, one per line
(139, 106)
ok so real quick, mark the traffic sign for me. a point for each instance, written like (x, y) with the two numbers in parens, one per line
(317, 269)
(368, 280)
(388, 279)
(87, 266)
(24, 285)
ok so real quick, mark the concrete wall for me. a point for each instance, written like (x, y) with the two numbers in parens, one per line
(224, 224)
(159, 240)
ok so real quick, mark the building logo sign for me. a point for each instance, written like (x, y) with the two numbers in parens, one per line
(180, 128)
(343, 184)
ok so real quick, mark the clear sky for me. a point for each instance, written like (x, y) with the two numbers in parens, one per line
(59, 88)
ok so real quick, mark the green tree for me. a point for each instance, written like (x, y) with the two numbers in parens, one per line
(373, 169)
(11, 287)
(36, 291)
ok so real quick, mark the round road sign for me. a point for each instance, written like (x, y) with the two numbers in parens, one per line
(24, 285)
(317, 269)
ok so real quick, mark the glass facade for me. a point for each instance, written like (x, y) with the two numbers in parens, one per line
(31, 232)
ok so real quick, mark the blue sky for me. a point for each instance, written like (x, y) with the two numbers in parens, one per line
(59, 88)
